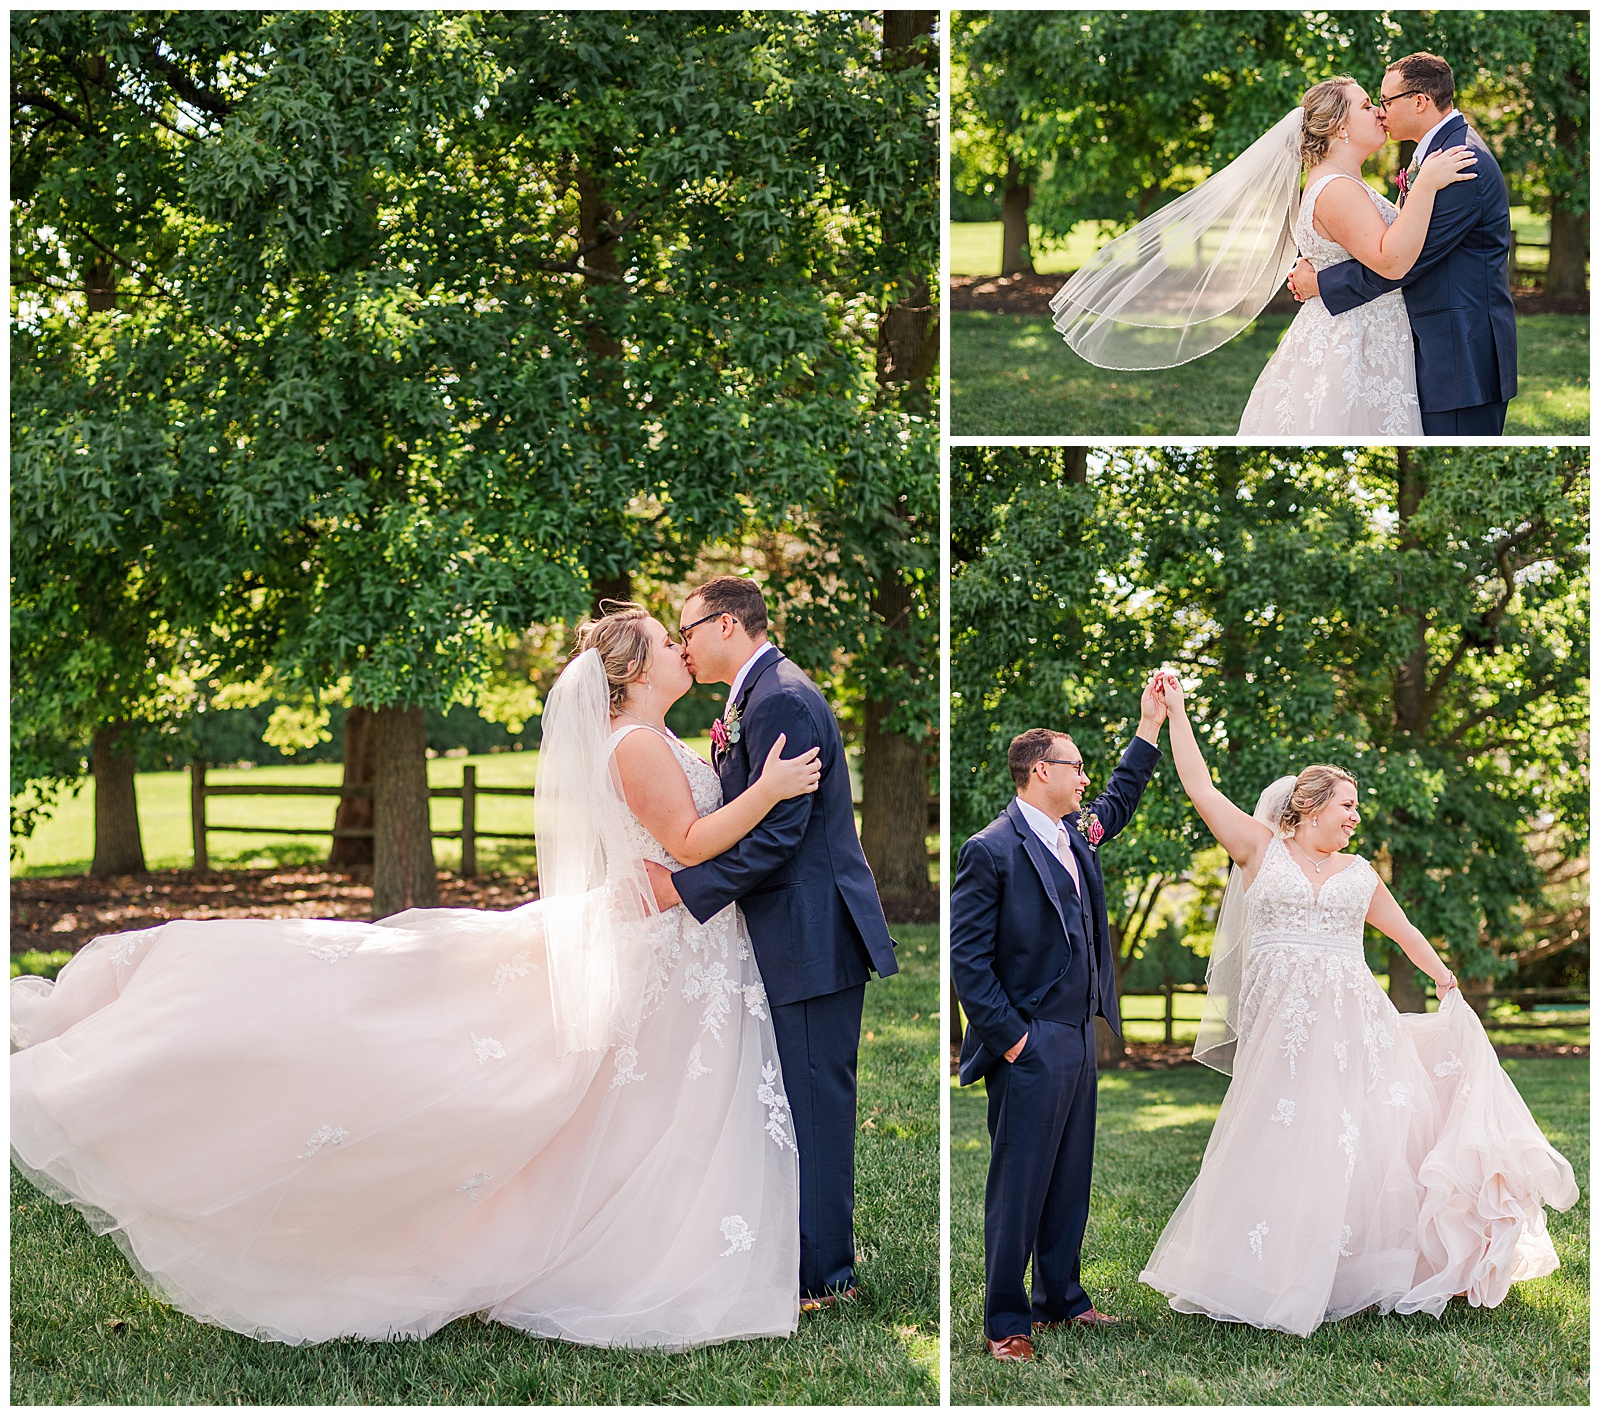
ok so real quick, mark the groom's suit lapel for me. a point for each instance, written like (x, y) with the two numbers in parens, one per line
(1036, 854)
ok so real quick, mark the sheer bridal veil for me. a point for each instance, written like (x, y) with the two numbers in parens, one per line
(1195, 273)
(1230, 947)
(595, 899)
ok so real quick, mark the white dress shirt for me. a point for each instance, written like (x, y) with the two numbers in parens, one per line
(1427, 138)
(744, 673)
(1049, 832)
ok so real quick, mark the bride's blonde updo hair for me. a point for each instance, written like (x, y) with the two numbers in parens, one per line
(619, 637)
(1325, 109)
(1313, 790)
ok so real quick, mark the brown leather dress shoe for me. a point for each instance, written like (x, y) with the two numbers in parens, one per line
(816, 1305)
(1010, 1349)
(1090, 1317)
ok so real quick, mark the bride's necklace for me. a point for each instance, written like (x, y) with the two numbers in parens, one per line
(1311, 860)
(624, 713)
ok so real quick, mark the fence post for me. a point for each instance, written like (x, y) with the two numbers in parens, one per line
(197, 813)
(1166, 988)
(469, 821)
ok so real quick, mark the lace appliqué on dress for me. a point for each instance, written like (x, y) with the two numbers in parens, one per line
(485, 1048)
(1347, 1141)
(777, 1105)
(740, 1236)
(471, 1188)
(517, 967)
(1257, 1236)
(625, 1061)
(325, 1136)
(1284, 1116)
(328, 953)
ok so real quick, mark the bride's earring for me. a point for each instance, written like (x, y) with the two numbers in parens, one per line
(1345, 136)
(1313, 820)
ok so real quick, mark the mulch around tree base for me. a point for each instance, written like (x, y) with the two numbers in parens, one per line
(1030, 295)
(66, 912)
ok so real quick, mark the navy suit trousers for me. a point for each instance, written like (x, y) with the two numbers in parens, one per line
(817, 1041)
(1484, 420)
(1036, 1203)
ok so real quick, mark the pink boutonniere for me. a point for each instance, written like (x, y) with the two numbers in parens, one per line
(1093, 831)
(725, 730)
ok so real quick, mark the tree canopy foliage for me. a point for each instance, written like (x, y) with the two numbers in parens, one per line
(1417, 617)
(356, 340)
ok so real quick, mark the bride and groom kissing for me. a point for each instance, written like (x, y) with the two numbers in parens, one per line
(1361, 1157)
(1406, 325)
(600, 1116)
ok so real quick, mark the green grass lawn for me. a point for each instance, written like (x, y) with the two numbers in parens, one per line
(84, 1331)
(975, 245)
(1013, 376)
(1532, 1350)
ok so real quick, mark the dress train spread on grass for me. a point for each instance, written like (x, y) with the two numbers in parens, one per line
(311, 1129)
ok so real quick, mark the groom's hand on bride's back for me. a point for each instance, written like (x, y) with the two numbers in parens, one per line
(666, 892)
(1303, 280)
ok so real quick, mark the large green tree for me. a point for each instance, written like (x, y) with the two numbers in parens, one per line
(479, 315)
(1417, 617)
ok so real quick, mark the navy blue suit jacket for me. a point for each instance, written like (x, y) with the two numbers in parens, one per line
(1458, 294)
(800, 877)
(1012, 936)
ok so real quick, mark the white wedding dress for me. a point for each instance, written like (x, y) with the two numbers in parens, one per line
(310, 1129)
(1353, 374)
(1362, 1157)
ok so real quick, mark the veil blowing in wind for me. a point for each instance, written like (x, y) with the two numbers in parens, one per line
(1194, 274)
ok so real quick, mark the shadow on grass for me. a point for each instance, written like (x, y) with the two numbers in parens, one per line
(1011, 375)
(1153, 1128)
(85, 1331)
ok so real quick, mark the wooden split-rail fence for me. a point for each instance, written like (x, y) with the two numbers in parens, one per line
(469, 835)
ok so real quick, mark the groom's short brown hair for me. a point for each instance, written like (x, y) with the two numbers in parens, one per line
(1427, 74)
(1027, 749)
(736, 596)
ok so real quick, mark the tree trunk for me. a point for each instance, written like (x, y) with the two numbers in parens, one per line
(1075, 464)
(118, 849)
(100, 287)
(1109, 1049)
(403, 873)
(1412, 711)
(355, 813)
(894, 778)
(894, 806)
(1568, 276)
(1016, 250)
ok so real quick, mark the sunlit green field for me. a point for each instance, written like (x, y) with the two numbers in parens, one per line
(975, 245)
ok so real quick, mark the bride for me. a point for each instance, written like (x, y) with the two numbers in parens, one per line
(568, 1116)
(1195, 274)
(1362, 1157)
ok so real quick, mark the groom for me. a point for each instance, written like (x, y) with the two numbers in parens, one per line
(1030, 956)
(1458, 294)
(808, 899)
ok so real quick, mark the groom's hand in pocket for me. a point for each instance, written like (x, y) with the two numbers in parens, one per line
(1016, 1051)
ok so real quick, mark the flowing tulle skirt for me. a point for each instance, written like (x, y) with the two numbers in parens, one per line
(307, 1129)
(1362, 1158)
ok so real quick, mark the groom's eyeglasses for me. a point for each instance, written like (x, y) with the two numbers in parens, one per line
(1066, 762)
(1383, 103)
(681, 638)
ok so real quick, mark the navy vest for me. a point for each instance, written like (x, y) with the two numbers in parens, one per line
(1076, 994)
